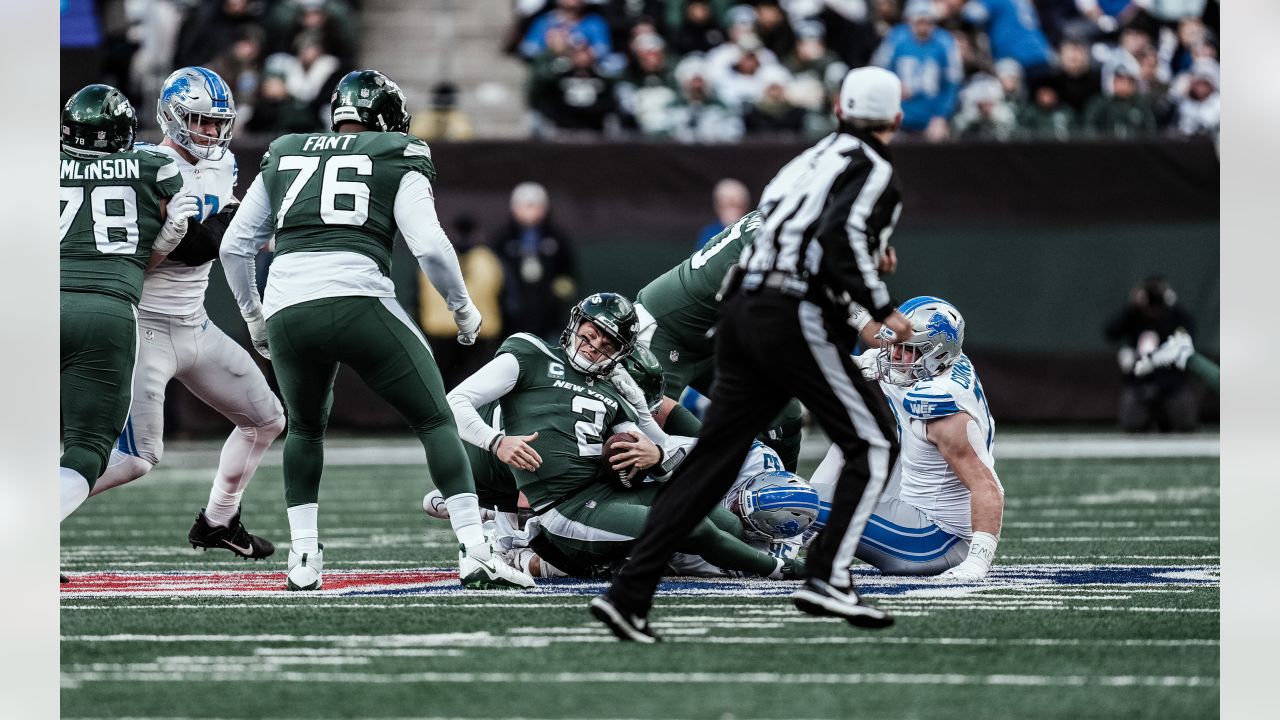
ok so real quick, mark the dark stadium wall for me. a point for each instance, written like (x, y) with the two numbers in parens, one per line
(1037, 244)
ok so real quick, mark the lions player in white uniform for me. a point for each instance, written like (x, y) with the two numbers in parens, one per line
(177, 340)
(941, 514)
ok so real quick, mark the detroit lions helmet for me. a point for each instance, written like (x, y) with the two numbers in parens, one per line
(935, 343)
(613, 315)
(194, 96)
(777, 504)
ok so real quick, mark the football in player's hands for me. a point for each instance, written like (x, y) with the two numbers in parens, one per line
(627, 478)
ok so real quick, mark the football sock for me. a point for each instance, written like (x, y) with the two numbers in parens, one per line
(464, 516)
(73, 489)
(121, 468)
(241, 454)
(304, 533)
(222, 506)
(726, 551)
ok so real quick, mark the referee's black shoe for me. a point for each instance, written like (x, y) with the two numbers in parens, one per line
(816, 597)
(624, 625)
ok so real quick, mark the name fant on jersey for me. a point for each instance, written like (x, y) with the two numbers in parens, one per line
(318, 143)
(586, 391)
(105, 169)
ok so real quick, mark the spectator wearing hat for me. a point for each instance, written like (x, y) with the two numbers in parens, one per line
(984, 114)
(813, 58)
(928, 63)
(743, 82)
(309, 76)
(648, 84)
(241, 67)
(742, 39)
(538, 265)
(773, 113)
(1012, 84)
(571, 17)
(696, 115)
(1200, 110)
(1122, 111)
(572, 92)
(332, 20)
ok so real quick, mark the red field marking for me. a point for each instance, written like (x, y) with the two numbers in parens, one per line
(150, 583)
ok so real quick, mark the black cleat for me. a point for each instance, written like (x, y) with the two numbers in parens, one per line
(625, 626)
(233, 537)
(816, 597)
(62, 579)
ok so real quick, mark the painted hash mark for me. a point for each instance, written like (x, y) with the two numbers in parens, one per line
(444, 581)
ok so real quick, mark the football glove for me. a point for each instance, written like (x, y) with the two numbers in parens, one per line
(982, 552)
(174, 229)
(628, 388)
(867, 366)
(468, 320)
(258, 334)
(1176, 350)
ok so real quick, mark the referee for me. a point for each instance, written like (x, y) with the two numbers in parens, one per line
(784, 332)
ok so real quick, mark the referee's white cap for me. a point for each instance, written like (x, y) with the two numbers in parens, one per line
(870, 93)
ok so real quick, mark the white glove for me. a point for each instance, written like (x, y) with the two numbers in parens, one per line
(859, 317)
(867, 365)
(628, 388)
(468, 320)
(171, 233)
(258, 334)
(1176, 350)
(982, 552)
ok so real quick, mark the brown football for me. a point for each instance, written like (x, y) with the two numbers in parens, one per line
(627, 479)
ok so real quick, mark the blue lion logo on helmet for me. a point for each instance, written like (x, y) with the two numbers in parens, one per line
(939, 324)
(181, 86)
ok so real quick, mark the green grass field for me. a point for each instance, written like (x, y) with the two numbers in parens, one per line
(1104, 604)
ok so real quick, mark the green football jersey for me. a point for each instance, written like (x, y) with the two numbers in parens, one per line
(571, 412)
(683, 299)
(337, 192)
(109, 216)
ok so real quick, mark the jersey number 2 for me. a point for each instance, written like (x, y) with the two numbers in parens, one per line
(331, 188)
(589, 432)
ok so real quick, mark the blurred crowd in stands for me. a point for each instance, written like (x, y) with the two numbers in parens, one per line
(280, 57)
(722, 70)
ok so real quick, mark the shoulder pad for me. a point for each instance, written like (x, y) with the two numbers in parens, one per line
(930, 399)
(522, 343)
(417, 157)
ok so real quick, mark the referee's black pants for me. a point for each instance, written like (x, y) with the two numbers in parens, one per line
(769, 348)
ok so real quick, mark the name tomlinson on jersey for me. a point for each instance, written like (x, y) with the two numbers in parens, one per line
(107, 169)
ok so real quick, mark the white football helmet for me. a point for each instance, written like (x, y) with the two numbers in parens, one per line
(195, 95)
(776, 505)
(935, 343)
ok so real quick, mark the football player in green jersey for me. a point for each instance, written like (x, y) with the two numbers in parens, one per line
(334, 201)
(121, 213)
(556, 403)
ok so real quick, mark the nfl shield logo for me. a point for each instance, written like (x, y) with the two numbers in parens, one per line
(675, 356)
(102, 134)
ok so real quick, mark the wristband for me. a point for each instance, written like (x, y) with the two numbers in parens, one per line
(493, 444)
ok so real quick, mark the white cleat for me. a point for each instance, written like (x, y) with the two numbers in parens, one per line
(480, 568)
(304, 570)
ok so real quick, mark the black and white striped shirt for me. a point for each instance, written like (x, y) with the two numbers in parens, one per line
(828, 217)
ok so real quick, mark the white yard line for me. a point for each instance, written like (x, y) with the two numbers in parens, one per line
(646, 678)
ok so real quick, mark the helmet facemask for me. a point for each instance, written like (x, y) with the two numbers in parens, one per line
(574, 339)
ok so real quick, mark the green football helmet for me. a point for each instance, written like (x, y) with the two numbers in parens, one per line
(96, 121)
(647, 372)
(371, 99)
(615, 316)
